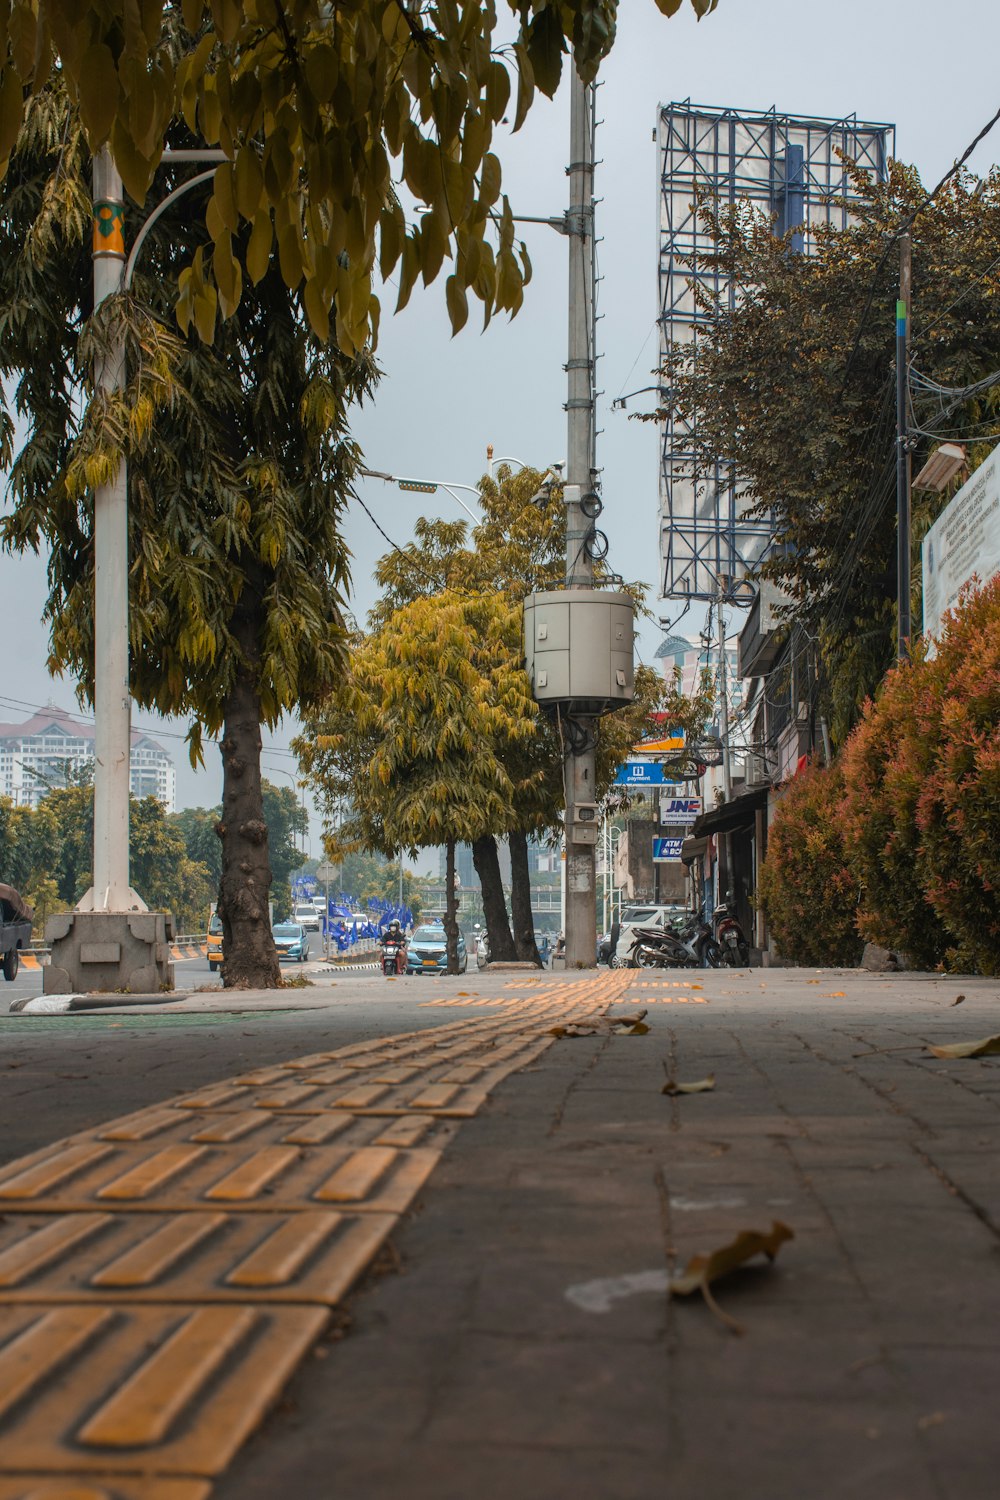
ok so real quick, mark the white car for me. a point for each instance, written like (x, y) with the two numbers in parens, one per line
(307, 916)
(643, 916)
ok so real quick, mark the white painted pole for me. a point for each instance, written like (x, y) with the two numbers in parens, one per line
(111, 889)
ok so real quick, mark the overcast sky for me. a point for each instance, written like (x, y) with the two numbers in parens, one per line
(930, 70)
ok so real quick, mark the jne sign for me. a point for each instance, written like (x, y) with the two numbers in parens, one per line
(680, 810)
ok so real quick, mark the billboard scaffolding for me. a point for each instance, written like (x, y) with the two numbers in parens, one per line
(783, 165)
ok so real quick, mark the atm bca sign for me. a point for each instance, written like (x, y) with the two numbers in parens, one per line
(680, 809)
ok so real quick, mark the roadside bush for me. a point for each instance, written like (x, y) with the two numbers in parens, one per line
(807, 889)
(885, 767)
(958, 809)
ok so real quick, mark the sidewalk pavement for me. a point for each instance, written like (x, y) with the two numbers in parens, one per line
(527, 1347)
(514, 1335)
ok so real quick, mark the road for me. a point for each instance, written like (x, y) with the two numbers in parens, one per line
(189, 973)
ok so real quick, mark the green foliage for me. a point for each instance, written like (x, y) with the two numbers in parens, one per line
(46, 853)
(319, 120)
(805, 414)
(807, 889)
(286, 822)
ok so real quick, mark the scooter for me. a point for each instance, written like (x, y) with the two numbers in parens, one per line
(691, 946)
(730, 935)
(393, 956)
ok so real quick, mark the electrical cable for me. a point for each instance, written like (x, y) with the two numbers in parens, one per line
(903, 228)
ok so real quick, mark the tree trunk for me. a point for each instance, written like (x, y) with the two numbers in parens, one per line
(484, 857)
(451, 907)
(250, 960)
(520, 900)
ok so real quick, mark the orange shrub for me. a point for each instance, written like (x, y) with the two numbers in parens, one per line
(807, 889)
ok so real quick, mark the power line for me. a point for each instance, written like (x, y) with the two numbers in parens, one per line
(904, 228)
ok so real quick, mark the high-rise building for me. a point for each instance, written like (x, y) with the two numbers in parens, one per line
(52, 748)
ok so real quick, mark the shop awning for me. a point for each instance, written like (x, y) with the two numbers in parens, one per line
(692, 848)
(739, 813)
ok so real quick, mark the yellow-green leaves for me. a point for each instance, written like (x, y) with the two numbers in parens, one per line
(318, 119)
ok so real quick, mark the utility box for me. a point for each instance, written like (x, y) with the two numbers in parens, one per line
(578, 650)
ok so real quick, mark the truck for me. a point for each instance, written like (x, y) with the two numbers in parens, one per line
(16, 917)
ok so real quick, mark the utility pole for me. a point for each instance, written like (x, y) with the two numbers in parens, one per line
(903, 451)
(725, 873)
(110, 891)
(579, 763)
(111, 941)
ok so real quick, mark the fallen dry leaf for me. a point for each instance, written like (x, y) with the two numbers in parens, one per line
(835, 995)
(578, 1028)
(702, 1086)
(988, 1047)
(958, 1000)
(702, 1270)
(595, 1025)
(634, 1028)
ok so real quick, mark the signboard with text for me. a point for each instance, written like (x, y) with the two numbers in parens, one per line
(963, 543)
(642, 773)
(680, 810)
(667, 851)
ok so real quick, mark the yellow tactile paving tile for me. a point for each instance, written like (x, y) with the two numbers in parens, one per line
(265, 1179)
(29, 961)
(307, 1256)
(162, 1389)
(103, 1487)
(162, 1275)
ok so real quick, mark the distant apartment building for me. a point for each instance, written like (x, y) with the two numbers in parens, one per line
(50, 749)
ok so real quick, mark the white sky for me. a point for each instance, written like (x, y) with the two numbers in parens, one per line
(930, 72)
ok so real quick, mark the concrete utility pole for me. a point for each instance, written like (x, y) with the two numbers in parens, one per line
(904, 625)
(724, 864)
(111, 941)
(579, 764)
(111, 891)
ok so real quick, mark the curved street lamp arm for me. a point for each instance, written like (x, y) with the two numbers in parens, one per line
(158, 211)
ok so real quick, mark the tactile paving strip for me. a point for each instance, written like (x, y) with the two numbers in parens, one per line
(162, 1275)
(103, 1487)
(307, 1256)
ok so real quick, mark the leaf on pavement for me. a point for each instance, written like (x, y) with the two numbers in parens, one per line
(702, 1086)
(596, 1025)
(988, 1047)
(702, 1270)
(577, 1028)
(958, 1000)
(624, 1027)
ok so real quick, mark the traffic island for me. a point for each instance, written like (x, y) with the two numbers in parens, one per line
(124, 954)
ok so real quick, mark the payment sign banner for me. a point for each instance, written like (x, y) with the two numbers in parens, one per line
(667, 851)
(642, 773)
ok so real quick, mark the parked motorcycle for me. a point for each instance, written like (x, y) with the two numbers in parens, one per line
(482, 951)
(730, 936)
(393, 954)
(689, 946)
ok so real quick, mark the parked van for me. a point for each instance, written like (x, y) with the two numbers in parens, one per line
(213, 942)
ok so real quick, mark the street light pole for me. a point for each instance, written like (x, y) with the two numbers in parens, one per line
(111, 941)
(111, 891)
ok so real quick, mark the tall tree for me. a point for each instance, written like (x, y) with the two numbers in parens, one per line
(518, 546)
(409, 742)
(240, 462)
(320, 110)
(795, 388)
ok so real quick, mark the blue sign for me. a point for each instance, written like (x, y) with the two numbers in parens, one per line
(642, 773)
(666, 851)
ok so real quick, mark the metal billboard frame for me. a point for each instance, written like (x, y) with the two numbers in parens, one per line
(781, 164)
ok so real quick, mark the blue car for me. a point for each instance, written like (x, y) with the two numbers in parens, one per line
(427, 951)
(291, 941)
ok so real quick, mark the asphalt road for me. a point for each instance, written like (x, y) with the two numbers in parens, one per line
(189, 973)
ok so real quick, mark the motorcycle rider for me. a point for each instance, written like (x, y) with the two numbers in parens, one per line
(393, 937)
